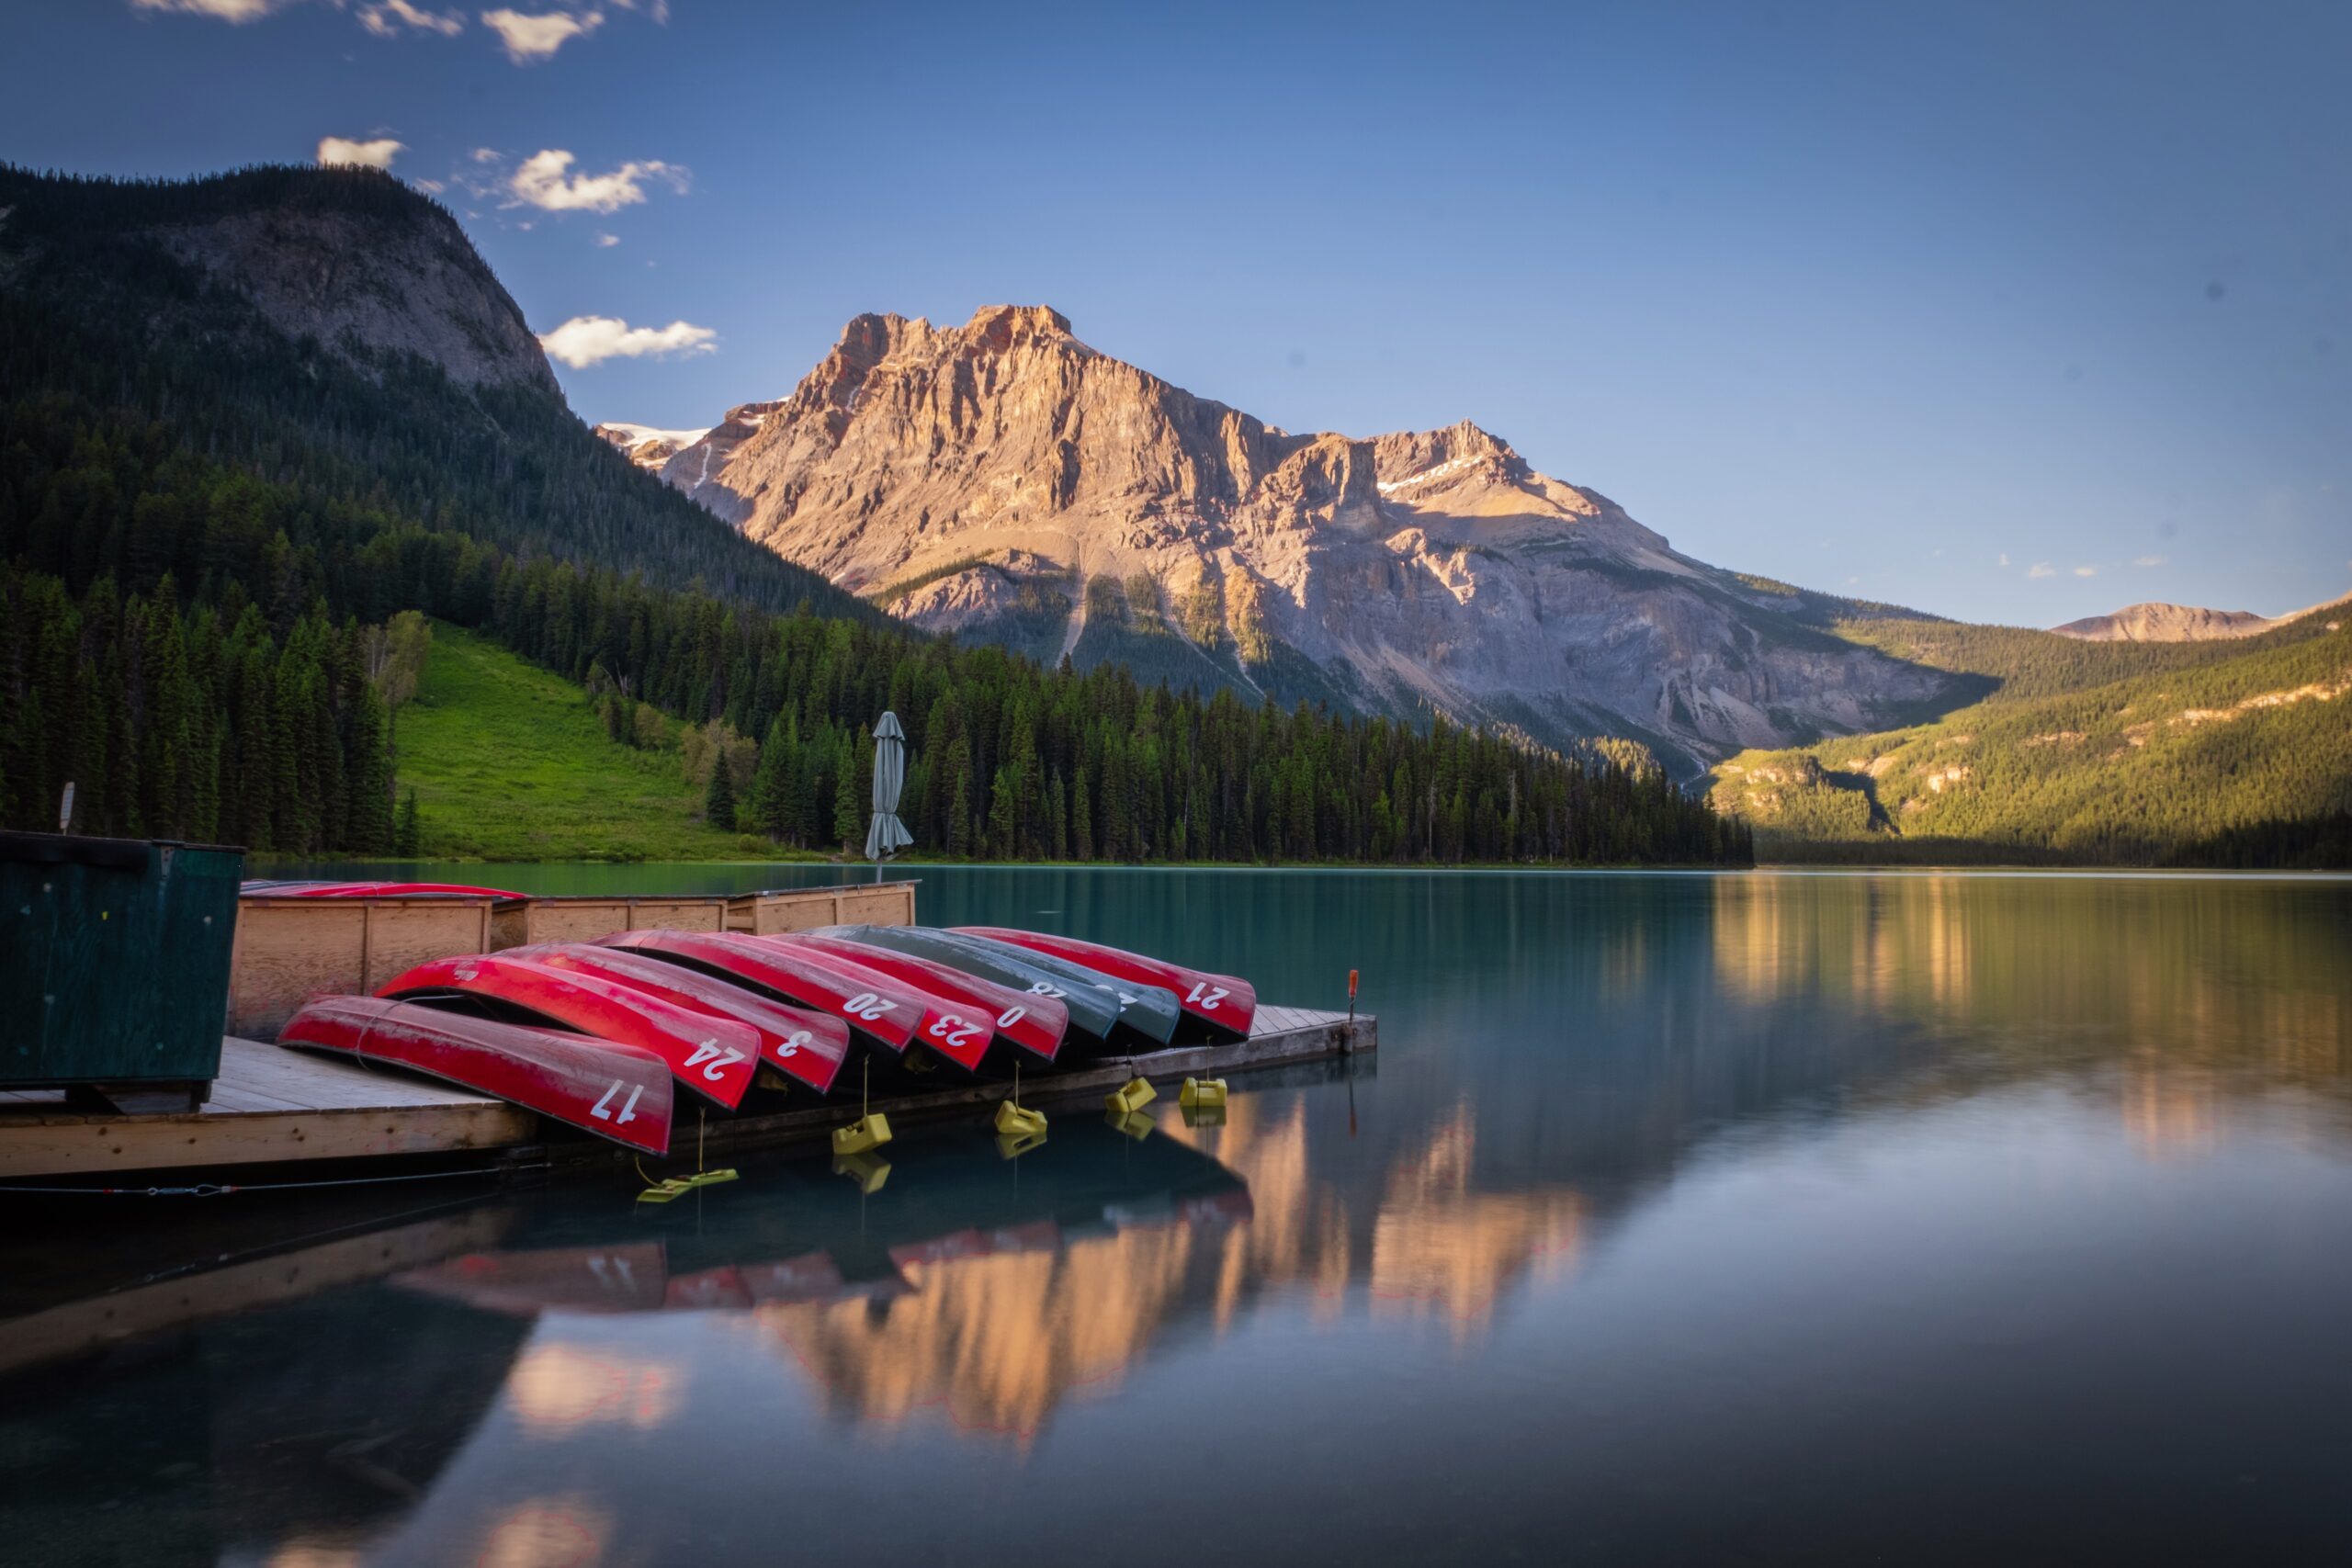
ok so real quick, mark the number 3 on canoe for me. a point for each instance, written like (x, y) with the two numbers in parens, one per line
(1206, 996)
(628, 1108)
(791, 1044)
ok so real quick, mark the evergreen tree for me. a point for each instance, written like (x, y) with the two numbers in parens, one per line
(718, 801)
(407, 837)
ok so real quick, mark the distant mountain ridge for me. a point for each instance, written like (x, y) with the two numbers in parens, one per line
(2159, 622)
(1005, 481)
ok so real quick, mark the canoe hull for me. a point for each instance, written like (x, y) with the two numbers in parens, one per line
(619, 1092)
(715, 1057)
(1034, 1024)
(1216, 1007)
(882, 1014)
(806, 1045)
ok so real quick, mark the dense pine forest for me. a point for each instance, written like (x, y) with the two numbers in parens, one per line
(201, 521)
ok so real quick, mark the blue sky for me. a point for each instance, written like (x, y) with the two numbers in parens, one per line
(2012, 313)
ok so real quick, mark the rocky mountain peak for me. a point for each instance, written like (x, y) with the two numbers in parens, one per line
(1003, 480)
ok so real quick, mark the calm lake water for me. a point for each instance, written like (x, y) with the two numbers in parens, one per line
(1907, 1218)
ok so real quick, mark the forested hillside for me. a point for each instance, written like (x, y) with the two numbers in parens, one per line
(164, 446)
(2216, 753)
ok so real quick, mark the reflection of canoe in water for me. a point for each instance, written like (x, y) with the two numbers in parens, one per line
(615, 1092)
(805, 1045)
(714, 1057)
(983, 1010)
(1216, 1007)
(622, 1277)
(794, 1231)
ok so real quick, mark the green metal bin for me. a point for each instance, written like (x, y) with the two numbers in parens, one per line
(113, 959)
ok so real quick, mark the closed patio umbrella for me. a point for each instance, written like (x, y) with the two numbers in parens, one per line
(886, 835)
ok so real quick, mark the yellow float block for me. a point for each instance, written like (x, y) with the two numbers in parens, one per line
(1016, 1121)
(1201, 1093)
(1130, 1097)
(868, 1132)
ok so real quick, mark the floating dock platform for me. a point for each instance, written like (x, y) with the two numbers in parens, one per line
(272, 1105)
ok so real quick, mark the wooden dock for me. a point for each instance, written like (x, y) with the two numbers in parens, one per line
(272, 1105)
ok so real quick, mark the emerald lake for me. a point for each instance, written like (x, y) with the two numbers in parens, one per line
(1754, 1217)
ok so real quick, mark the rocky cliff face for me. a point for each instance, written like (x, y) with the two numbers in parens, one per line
(345, 275)
(962, 477)
(2165, 623)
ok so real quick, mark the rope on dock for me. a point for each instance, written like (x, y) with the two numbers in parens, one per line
(217, 1188)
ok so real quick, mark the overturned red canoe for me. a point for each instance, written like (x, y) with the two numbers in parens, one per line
(620, 1092)
(1219, 1006)
(885, 1014)
(714, 1057)
(374, 890)
(1036, 1023)
(807, 1045)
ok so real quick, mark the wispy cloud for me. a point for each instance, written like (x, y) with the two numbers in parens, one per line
(2041, 568)
(2150, 560)
(375, 154)
(2086, 571)
(542, 180)
(2005, 558)
(389, 18)
(605, 240)
(236, 12)
(584, 341)
(530, 38)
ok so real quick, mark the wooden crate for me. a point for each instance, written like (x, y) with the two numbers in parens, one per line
(290, 950)
(806, 909)
(586, 918)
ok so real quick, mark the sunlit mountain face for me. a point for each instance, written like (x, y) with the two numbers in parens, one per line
(1647, 1174)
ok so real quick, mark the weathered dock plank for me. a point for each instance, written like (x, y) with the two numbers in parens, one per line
(268, 1105)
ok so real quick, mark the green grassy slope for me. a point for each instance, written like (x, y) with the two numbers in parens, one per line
(509, 763)
(2120, 771)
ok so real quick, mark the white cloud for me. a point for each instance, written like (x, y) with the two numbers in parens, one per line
(604, 240)
(659, 10)
(541, 181)
(2086, 571)
(591, 340)
(386, 19)
(375, 154)
(430, 187)
(2150, 560)
(484, 155)
(529, 37)
(2005, 558)
(2041, 568)
(234, 12)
